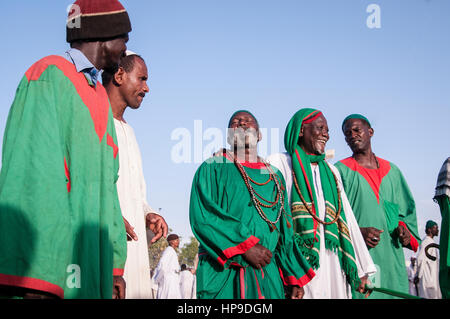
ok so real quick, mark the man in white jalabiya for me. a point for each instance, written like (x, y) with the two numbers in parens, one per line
(126, 87)
(412, 276)
(167, 272)
(326, 229)
(186, 283)
(428, 268)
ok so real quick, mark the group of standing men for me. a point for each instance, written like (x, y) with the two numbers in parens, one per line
(296, 226)
(75, 223)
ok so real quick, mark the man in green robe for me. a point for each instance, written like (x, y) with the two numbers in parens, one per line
(61, 229)
(442, 197)
(239, 213)
(383, 206)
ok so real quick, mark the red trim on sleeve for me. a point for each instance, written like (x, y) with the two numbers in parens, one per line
(413, 241)
(31, 283)
(118, 272)
(241, 248)
(292, 281)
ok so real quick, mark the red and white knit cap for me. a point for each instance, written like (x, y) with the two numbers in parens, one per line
(97, 19)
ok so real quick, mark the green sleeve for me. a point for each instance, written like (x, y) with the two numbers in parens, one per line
(35, 231)
(119, 232)
(221, 234)
(407, 205)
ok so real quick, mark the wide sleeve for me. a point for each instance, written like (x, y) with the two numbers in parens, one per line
(407, 209)
(35, 232)
(293, 266)
(221, 234)
(364, 261)
(119, 237)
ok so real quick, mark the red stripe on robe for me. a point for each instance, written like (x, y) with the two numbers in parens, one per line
(95, 98)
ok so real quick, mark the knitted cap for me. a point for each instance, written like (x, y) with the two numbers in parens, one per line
(97, 19)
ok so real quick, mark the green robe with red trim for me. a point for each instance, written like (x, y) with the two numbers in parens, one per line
(226, 223)
(381, 198)
(61, 228)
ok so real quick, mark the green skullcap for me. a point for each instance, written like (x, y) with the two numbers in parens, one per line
(242, 111)
(355, 116)
(430, 224)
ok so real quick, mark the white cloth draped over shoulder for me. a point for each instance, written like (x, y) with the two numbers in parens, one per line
(167, 275)
(428, 271)
(330, 281)
(132, 192)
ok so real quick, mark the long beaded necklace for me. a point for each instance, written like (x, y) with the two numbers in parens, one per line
(254, 194)
(309, 210)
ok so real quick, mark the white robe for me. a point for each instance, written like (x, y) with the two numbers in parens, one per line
(330, 281)
(131, 190)
(428, 271)
(186, 284)
(412, 271)
(166, 275)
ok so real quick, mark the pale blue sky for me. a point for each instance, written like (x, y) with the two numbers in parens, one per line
(208, 58)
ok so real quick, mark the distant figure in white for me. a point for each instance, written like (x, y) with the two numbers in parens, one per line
(167, 272)
(428, 269)
(187, 283)
(412, 276)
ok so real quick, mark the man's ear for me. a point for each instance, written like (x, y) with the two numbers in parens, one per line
(371, 131)
(301, 132)
(259, 135)
(119, 76)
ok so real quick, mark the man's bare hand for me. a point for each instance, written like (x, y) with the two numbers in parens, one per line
(258, 256)
(371, 236)
(157, 225)
(297, 292)
(130, 230)
(403, 235)
(119, 286)
(362, 286)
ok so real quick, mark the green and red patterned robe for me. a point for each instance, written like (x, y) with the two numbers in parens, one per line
(381, 198)
(227, 224)
(61, 228)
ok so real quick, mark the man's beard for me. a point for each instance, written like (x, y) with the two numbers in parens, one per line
(241, 139)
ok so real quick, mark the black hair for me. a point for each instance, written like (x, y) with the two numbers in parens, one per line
(127, 63)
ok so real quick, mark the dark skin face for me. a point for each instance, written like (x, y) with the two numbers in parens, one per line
(113, 50)
(314, 136)
(243, 142)
(433, 231)
(357, 135)
(245, 121)
(104, 54)
(133, 84)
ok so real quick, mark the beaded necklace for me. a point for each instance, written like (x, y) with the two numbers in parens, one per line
(338, 214)
(254, 194)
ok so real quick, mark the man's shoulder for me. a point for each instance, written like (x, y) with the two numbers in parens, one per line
(37, 69)
(346, 163)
